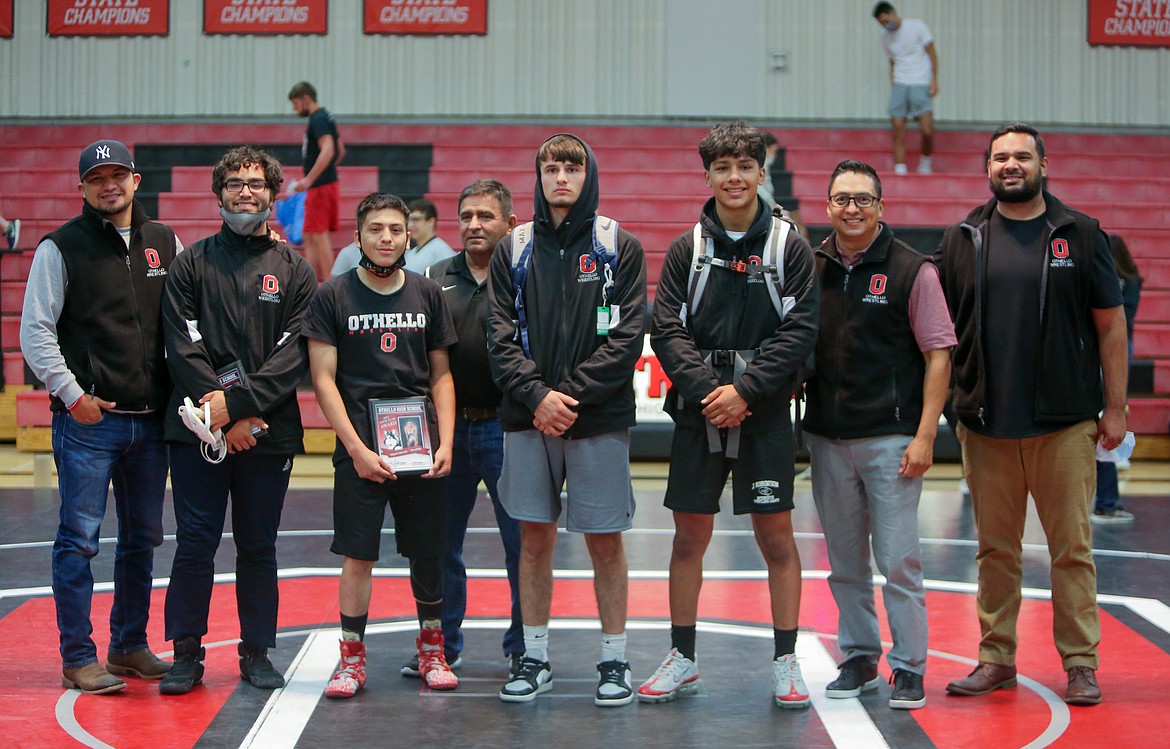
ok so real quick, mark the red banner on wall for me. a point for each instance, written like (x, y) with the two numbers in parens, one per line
(1141, 23)
(425, 17)
(5, 19)
(265, 16)
(109, 17)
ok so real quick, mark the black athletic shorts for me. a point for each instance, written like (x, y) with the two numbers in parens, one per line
(359, 510)
(761, 476)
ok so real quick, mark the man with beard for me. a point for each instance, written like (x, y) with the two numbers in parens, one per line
(90, 331)
(485, 217)
(1028, 390)
(232, 318)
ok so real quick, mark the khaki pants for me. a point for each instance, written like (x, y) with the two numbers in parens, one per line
(1058, 469)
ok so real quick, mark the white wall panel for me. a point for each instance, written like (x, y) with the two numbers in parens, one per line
(1000, 59)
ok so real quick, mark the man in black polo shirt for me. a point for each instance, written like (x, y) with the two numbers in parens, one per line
(485, 217)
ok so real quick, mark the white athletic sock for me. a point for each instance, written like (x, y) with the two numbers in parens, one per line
(536, 642)
(613, 647)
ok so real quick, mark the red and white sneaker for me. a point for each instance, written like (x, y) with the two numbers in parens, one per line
(788, 687)
(432, 663)
(350, 677)
(676, 676)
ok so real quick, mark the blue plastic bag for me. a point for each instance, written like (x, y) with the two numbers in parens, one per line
(290, 212)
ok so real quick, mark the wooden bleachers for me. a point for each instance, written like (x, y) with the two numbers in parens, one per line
(651, 180)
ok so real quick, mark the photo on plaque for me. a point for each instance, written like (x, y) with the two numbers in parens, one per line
(401, 435)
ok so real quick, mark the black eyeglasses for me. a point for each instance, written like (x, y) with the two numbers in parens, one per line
(861, 201)
(236, 185)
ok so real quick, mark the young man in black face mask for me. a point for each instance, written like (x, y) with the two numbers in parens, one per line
(232, 314)
(383, 333)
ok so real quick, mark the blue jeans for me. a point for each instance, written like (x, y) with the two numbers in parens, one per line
(128, 450)
(1108, 495)
(257, 485)
(477, 453)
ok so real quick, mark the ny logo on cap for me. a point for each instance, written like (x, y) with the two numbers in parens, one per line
(103, 152)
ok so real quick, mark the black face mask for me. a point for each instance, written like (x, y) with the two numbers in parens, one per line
(378, 270)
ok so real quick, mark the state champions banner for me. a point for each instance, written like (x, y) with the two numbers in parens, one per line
(1130, 23)
(265, 16)
(6, 19)
(108, 17)
(425, 17)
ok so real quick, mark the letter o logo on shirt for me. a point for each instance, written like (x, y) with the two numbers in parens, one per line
(588, 264)
(270, 284)
(755, 260)
(389, 342)
(1060, 248)
(152, 258)
(877, 284)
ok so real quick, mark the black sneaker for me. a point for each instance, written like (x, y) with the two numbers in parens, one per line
(187, 670)
(857, 675)
(513, 660)
(529, 678)
(907, 692)
(613, 685)
(257, 670)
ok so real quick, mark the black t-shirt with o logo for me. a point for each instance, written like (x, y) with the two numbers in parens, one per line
(382, 340)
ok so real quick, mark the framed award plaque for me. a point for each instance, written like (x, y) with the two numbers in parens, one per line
(401, 433)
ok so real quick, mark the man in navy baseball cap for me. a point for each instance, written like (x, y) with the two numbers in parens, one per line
(91, 330)
(103, 152)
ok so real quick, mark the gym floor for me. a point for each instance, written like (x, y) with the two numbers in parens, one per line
(734, 644)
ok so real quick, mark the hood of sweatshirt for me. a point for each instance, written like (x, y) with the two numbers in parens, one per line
(581, 214)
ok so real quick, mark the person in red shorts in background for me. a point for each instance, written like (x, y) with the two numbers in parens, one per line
(321, 152)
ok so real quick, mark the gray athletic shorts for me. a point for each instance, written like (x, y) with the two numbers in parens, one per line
(910, 101)
(596, 470)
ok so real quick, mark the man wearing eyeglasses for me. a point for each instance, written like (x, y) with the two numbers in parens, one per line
(232, 316)
(882, 373)
(1042, 349)
(90, 331)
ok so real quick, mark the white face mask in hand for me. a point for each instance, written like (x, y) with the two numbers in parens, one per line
(198, 420)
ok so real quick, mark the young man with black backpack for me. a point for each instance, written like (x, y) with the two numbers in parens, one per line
(568, 298)
(735, 316)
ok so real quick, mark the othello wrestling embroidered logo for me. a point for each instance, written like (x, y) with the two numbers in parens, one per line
(587, 267)
(877, 290)
(270, 289)
(1060, 255)
(153, 263)
(753, 276)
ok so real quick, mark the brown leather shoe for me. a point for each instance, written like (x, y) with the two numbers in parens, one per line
(91, 679)
(1082, 686)
(141, 663)
(987, 677)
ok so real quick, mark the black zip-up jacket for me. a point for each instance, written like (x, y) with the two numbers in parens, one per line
(567, 353)
(1068, 369)
(869, 369)
(247, 298)
(110, 334)
(735, 313)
